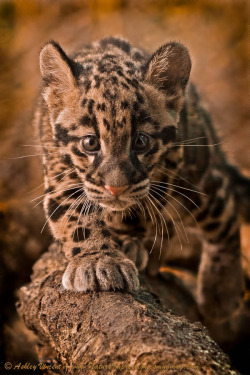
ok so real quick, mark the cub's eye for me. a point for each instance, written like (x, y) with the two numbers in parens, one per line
(90, 143)
(142, 143)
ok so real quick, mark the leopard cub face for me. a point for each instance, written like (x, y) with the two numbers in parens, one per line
(114, 116)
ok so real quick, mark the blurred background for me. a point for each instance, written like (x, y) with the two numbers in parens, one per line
(215, 31)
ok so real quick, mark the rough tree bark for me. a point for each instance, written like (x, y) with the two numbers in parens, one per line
(114, 332)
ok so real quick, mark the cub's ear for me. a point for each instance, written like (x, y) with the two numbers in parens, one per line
(168, 70)
(57, 69)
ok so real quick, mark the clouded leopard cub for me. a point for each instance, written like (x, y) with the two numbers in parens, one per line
(114, 123)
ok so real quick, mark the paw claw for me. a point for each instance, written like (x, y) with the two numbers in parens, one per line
(130, 274)
(108, 276)
(84, 279)
(103, 272)
(67, 278)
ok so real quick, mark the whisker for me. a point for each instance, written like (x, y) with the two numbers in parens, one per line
(76, 202)
(72, 211)
(87, 212)
(129, 210)
(162, 231)
(156, 226)
(72, 205)
(149, 212)
(132, 208)
(86, 203)
(103, 213)
(180, 187)
(65, 200)
(176, 212)
(41, 201)
(58, 190)
(66, 175)
(211, 145)
(50, 178)
(189, 140)
(97, 207)
(27, 156)
(179, 203)
(176, 191)
(140, 205)
(177, 232)
(137, 204)
(42, 146)
(175, 174)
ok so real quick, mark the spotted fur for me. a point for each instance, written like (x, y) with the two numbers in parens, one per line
(137, 110)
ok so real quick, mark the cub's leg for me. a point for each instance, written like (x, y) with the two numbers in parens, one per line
(96, 261)
(134, 249)
(129, 233)
(220, 285)
(220, 280)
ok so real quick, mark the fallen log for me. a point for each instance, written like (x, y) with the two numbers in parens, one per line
(116, 332)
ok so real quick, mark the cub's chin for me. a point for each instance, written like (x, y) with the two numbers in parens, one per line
(120, 203)
(117, 205)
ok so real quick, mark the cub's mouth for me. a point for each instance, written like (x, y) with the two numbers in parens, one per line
(116, 204)
(117, 198)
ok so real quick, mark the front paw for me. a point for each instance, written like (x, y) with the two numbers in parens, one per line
(135, 250)
(101, 271)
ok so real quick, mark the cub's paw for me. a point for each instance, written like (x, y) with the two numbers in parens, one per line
(134, 250)
(101, 271)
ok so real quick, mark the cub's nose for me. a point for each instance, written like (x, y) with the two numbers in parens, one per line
(116, 190)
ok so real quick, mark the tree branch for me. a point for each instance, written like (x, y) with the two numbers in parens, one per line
(112, 331)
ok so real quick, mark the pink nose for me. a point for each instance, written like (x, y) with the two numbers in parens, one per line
(116, 190)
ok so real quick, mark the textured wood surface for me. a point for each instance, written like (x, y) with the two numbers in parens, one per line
(115, 330)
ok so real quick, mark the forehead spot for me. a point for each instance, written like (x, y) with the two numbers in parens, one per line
(85, 121)
(84, 102)
(138, 56)
(114, 80)
(131, 72)
(119, 124)
(124, 104)
(129, 64)
(97, 81)
(109, 95)
(87, 85)
(125, 86)
(90, 106)
(109, 56)
(106, 124)
(135, 83)
(120, 73)
(101, 107)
